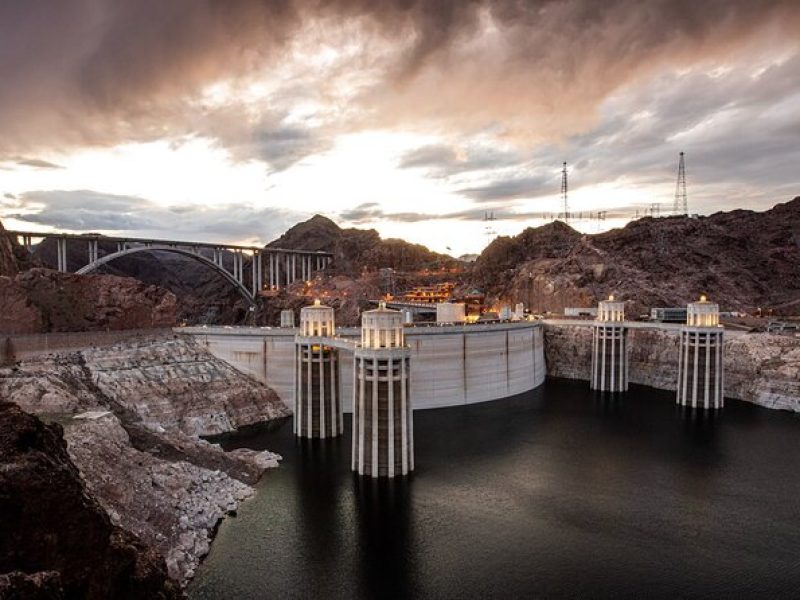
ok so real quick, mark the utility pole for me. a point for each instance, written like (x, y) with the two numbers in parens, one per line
(680, 206)
(564, 203)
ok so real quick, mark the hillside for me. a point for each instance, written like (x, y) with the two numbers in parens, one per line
(355, 250)
(39, 300)
(742, 259)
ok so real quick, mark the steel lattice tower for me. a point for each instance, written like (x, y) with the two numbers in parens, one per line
(564, 193)
(680, 207)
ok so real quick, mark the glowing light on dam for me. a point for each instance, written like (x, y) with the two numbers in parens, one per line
(700, 372)
(609, 348)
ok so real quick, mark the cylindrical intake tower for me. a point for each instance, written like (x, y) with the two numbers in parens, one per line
(609, 348)
(700, 373)
(317, 405)
(383, 427)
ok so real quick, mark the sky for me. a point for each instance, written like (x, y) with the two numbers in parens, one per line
(231, 121)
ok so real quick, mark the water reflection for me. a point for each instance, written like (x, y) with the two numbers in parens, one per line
(699, 424)
(608, 403)
(383, 512)
(556, 493)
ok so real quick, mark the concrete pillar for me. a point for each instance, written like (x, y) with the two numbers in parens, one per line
(383, 437)
(260, 270)
(701, 378)
(61, 254)
(272, 283)
(318, 406)
(93, 251)
(288, 262)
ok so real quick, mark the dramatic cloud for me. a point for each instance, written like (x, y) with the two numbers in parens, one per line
(87, 210)
(101, 72)
(469, 106)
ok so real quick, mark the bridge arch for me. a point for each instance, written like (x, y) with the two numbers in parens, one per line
(238, 285)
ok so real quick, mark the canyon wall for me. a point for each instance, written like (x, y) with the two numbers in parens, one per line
(131, 416)
(55, 539)
(760, 368)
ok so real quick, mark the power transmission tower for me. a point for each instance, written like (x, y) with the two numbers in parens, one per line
(488, 217)
(564, 203)
(680, 207)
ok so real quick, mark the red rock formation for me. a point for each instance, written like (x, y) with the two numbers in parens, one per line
(742, 259)
(54, 538)
(41, 300)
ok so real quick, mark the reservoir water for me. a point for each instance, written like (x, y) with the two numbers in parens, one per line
(554, 493)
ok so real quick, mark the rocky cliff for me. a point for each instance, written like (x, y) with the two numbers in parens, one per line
(760, 368)
(55, 540)
(355, 250)
(8, 263)
(40, 300)
(742, 259)
(131, 416)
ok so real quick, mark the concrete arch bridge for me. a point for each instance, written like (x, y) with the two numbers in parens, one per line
(271, 268)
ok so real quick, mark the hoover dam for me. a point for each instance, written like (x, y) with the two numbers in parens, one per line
(452, 365)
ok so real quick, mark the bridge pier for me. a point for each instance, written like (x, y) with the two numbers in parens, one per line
(61, 254)
(93, 251)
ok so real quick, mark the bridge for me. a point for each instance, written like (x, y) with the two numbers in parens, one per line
(270, 268)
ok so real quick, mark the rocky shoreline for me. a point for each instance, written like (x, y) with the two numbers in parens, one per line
(132, 416)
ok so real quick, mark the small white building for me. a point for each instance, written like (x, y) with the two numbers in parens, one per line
(287, 318)
(451, 312)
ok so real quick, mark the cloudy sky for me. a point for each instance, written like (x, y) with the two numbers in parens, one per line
(231, 120)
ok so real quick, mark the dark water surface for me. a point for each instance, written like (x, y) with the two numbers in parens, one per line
(554, 493)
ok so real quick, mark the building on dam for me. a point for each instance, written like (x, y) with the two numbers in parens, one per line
(609, 348)
(318, 406)
(383, 424)
(700, 372)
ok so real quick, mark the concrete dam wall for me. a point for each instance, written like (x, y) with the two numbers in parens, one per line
(761, 368)
(450, 365)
